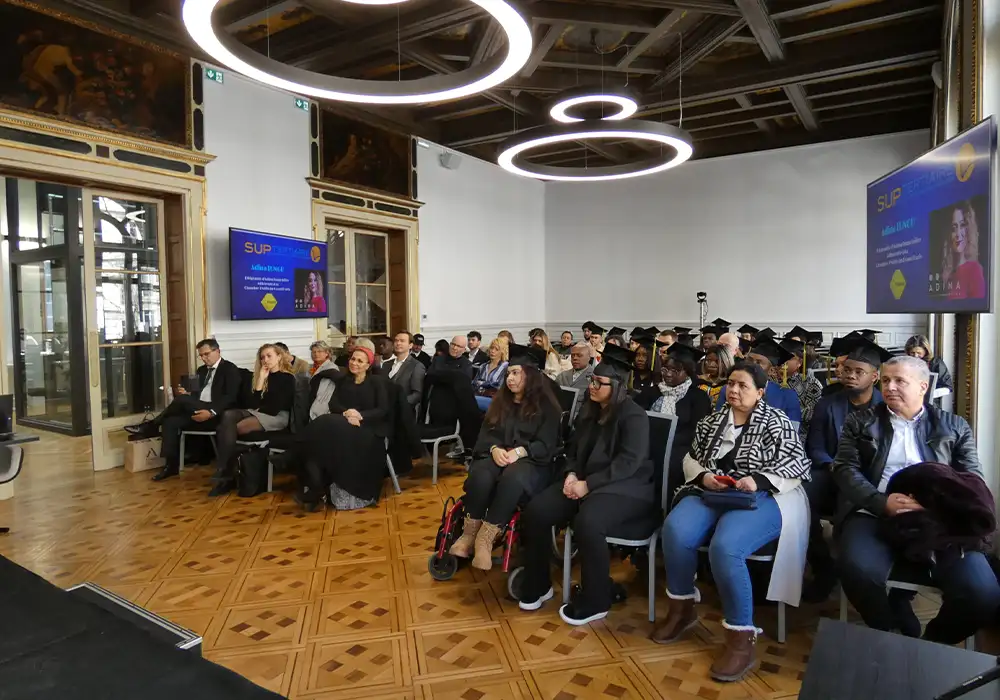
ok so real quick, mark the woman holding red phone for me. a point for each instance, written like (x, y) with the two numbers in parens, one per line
(746, 448)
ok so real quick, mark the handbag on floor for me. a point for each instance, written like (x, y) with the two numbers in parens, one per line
(251, 472)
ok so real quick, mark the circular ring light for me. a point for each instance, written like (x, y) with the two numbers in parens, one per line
(227, 50)
(375, 2)
(626, 103)
(513, 152)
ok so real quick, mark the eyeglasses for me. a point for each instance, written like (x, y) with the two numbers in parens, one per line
(597, 383)
(848, 372)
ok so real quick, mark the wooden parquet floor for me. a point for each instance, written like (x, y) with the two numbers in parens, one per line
(340, 605)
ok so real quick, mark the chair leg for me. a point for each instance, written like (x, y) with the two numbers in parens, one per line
(843, 605)
(434, 463)
(215, 445)
(180, 461)
(270, 476)
(970, 643)
(567, 562)
(652, 577)
(781, 622)
(392, 474)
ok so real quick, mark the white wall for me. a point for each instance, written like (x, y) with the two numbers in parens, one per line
(775, 237)
(258, 182)
(482, 248)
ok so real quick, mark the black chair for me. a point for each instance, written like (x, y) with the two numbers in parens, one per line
(643, 532)
(434, 435)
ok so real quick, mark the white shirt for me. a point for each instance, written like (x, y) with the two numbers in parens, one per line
(206, 393)
(395, 366)
(905, 449)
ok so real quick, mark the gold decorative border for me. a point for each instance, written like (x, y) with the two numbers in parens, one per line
(367, 195)
(128, 38)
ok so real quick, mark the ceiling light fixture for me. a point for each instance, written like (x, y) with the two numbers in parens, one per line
(227, 50)
(514, 151)
(375, 2)
(626, 103)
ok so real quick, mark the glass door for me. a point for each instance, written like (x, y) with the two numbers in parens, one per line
(123, 238)
(358, 274)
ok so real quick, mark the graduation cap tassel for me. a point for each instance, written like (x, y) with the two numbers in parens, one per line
(784, 376)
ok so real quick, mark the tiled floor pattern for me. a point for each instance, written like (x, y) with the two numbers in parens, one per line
(340, 605)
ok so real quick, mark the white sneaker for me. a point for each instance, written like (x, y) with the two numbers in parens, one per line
(536, 604)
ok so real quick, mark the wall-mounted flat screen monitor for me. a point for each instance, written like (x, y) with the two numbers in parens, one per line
(276, 277)
(930, 229)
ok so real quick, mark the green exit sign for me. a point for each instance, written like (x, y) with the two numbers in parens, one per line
(302, 104)
(214, 75)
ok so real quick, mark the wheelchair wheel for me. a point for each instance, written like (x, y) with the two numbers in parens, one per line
(442, 568)
(515, 582)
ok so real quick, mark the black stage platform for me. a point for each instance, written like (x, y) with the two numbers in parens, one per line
(57, 645)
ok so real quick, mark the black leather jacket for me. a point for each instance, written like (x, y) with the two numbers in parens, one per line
(864, 448)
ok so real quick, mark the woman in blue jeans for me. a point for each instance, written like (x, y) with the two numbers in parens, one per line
(752, 448)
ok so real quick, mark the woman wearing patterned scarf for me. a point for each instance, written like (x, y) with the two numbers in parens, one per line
(756, 449)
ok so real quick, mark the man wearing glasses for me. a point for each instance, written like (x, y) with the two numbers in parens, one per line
(858, 375)
(456, 360)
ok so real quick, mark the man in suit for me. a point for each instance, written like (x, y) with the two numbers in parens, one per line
(218, 389)
(404, 369)
(477, 356)
(418, 351)
(578, 377)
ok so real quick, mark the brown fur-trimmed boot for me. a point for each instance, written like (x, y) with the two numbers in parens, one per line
(485, 540)
(462, 547)
(681, 617)
(737, 657)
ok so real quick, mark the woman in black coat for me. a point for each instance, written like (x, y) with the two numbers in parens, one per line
(608, 481)
(678, 395)
(342, 455)
(513, 455)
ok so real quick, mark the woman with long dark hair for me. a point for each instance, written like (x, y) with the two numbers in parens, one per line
(608, 481)
(512, 459)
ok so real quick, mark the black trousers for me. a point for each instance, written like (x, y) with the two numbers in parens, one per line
(593, 518)
(176, 418)
(493, 493)
(822, 494)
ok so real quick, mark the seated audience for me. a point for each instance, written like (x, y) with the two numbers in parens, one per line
(512, 459)
(219, 383)
(440, 350)
(405, 370)
(267, 406)
(715, 370)
(748, 332)
(710, 336)
(806, 388)
(566, 340)
(451, 356)
(578, 376)
(587, 330)
(418, 351)
(607, 481)
(383, 351)
(838, 351)
(596, 340)
(615, 340)
(918, 346)
(507, 335)
(300, 368)
(490, 376)
(646, 374)
(678, 395)
(768, 355)
(751, 448)
(878, 446)
(555, 364)
(477, 356)
(663, 342)
(858, 376)
(731, 341)
(342, 455)
(348, 348)
(324, 376)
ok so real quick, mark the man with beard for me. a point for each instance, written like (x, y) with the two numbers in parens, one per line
(858, 376)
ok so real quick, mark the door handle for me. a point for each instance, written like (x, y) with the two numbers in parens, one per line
(95, 360)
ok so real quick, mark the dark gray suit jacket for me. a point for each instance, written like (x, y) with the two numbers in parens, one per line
(410, 376)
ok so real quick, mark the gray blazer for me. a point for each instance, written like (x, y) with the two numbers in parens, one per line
(582, 383)
(410, 376)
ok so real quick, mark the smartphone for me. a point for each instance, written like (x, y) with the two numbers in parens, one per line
(727, 480)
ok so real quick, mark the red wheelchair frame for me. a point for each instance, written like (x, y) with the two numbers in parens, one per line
(442, 565)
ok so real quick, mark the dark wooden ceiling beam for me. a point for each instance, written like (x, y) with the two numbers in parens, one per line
(722, 30)
(542, 47)
(708, 7)
(856, 18)
(763, 124)
(882, 79)
(236, 22)
(593, 61)
(763, 29)
(803, 107)
(488, 42)
(597, 16)
(666, 25)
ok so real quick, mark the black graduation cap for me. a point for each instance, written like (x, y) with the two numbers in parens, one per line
(616, 362)
(795, 347)
(863, 350)
(722, 324)
(868, 334)
(530, 355)
(841, 346)
(686, 339)
(642, 337)
(653, 331)
(638, 330)
(660, 344)
(765, 334)
(715, 330)
(798, 332)
(681, 330)
(747, 328)
(745, 346)
(589, 325)
(594, 328)
(685, 352)
(776, 354)
(814, 338)
(617, 330)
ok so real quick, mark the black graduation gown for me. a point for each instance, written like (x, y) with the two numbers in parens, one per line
(539, 435)
(352, 457)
